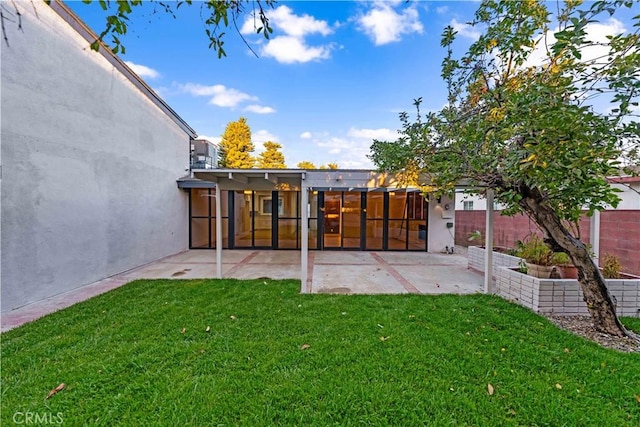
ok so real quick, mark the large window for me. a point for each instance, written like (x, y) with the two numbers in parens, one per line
(373, 220)
(288, 219)
(203, 214)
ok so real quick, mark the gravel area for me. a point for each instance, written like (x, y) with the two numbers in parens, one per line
(583, 326)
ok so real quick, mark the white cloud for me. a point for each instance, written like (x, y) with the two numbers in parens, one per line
(221, 95)
(215, 139)
(351, 150)
(465, 30)
(289, 50)
(384, 25)
(262, 136)
(292, 46)
(441, 10)
(296, 25)
(259, 109)
(142, 70)
(596, 32)
(305, 135)
(381, 134)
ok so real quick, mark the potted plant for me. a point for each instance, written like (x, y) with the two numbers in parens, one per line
(564, 266)
(538, 257)
(611, 267)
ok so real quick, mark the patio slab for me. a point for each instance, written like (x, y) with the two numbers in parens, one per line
(341, 272)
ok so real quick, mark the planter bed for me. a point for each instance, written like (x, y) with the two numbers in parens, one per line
(564, 296)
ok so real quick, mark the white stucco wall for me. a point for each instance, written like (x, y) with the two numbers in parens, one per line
(629, 195)
(89, 165)
(439, 235)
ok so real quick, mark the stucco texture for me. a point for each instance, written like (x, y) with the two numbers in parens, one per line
(89, 165)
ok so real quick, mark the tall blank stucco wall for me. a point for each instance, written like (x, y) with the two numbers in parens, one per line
(89, 165)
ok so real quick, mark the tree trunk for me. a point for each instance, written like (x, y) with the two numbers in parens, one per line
(596, 294)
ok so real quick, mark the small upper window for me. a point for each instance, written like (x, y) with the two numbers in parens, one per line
(467, 205)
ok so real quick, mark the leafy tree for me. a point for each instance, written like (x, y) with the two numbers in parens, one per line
(216, 16)
(271, 157)
(528, 130)
(236, 146)
(305, 165)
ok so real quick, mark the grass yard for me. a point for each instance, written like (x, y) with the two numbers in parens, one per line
(140, 355)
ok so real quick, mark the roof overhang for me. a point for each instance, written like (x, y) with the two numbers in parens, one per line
(294, 179)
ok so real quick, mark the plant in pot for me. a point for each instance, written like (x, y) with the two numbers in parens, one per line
(611, 267)
(538, 257)
(564, 266)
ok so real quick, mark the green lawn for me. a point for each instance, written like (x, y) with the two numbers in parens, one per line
(372, 360)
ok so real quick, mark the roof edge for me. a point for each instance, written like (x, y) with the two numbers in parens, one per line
(81, 28)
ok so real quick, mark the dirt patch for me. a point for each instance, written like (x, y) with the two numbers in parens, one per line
(583, 326)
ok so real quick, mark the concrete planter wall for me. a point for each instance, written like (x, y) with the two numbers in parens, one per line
(563, 296)
(475, 260)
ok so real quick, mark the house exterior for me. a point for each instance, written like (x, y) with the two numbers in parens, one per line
(346, 210)
(93, 166)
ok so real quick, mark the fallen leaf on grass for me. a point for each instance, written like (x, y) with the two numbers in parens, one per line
(384, 338)
(559, 386)
(305, 346)
(208, 329)
(56, 390)
(490, 389)
(232, 317)
(183, 330)
(637, 397)
(566, 350)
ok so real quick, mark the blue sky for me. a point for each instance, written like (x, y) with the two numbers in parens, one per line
(334, 75)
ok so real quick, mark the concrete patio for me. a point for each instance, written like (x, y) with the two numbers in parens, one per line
(328, 272)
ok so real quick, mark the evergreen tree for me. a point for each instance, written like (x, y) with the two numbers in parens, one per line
(271, 157)
(236, 146)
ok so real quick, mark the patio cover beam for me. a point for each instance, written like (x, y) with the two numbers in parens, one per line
(488, 253)
(273, 178)
(594, 235)
(238, 177)
(218, 233)
(304, 249)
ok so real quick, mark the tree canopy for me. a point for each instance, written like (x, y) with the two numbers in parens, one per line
(525, 119)
(236, 146)
(310, 165)
(305, 164)
(271, 157)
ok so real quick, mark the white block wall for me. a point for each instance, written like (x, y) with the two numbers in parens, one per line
(475, 260)
(564, 296)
